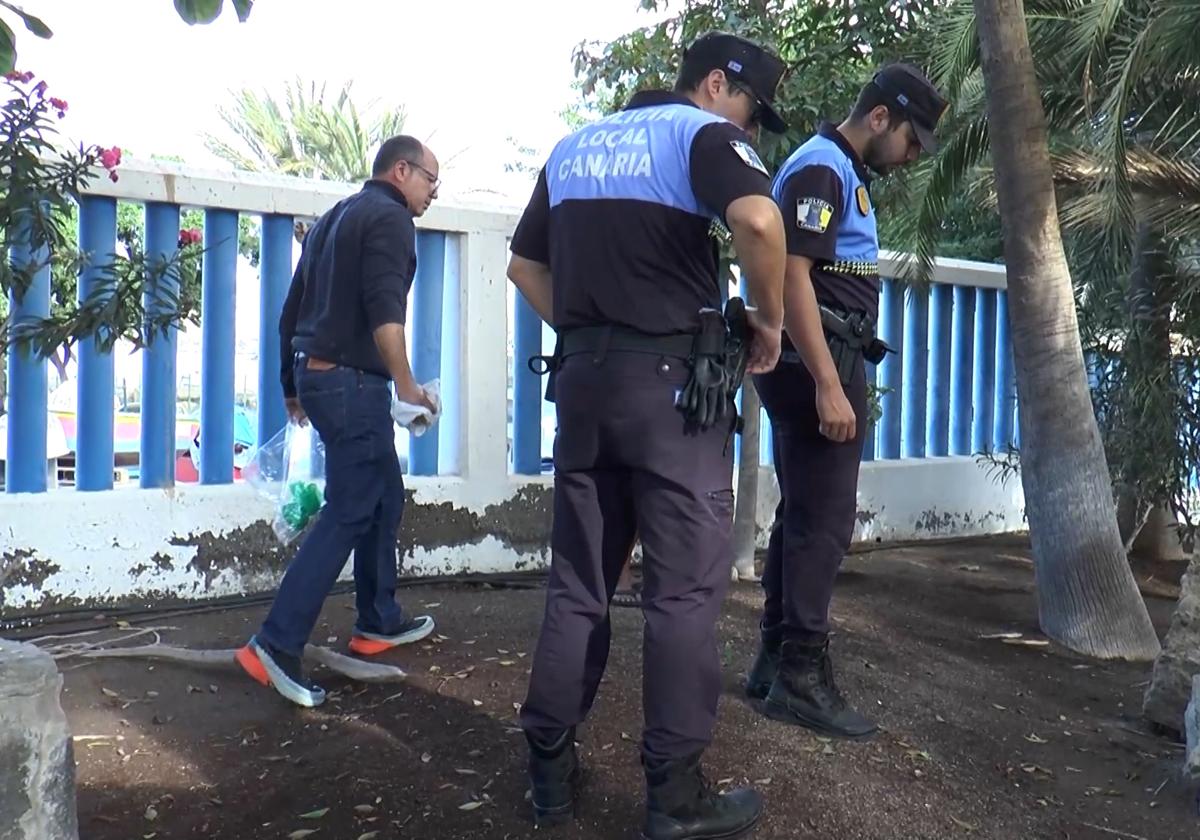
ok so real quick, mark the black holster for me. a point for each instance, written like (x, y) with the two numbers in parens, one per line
(718, 366)
(850, 334)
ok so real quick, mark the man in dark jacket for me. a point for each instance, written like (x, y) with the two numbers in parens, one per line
(342, 344)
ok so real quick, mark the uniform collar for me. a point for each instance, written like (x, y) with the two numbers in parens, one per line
(647, 98)
(384, 188)
(830, 132)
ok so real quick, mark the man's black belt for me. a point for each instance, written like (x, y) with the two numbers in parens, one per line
(600, 339)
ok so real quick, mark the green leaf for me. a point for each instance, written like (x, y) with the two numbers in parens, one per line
(242, 7)
(33, 24)
(8, 49)
(315, 815)
(199, 11)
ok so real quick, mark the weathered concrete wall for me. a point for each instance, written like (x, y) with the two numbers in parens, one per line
(195, 542)
(927, 498)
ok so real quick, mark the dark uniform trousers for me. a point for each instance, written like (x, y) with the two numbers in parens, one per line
(818, 486)
(623, 464)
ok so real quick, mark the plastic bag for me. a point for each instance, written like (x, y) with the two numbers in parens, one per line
(417, 418)
(289, 469)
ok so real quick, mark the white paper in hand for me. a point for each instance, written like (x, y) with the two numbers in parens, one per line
(417, 418)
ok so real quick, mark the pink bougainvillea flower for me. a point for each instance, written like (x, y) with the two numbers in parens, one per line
(110, 158)
(189, 236)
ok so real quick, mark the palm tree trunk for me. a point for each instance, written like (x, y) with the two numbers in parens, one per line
(1087, 597)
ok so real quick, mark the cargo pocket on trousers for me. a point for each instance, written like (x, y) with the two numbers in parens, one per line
(720, 502)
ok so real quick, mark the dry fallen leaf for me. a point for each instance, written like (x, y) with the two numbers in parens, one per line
(426, 758)
(364, 809)
(315, 815)
(1034, 739)
(151, 813)
(368, 835)
(300, 834)
(124, 625)
(469, 806)
(965, 826)
(107, 692)
(462, 771)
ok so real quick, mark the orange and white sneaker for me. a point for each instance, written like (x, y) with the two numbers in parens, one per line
(370, 644)
(280, 671)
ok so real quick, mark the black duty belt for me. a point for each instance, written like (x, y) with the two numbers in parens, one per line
(601, 339)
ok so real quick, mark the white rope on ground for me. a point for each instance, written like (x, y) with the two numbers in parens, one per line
(347, 666)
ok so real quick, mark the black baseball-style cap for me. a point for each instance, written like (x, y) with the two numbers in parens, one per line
(747, 63)
(916, 96)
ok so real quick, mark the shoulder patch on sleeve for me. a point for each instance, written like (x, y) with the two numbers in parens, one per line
(749, 157)
(813, 214)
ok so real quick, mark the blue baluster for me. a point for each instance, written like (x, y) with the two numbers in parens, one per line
(275, 276)
(961, 370)
(427, 337)
(984, 381)
(916, 362)
(94, 413)
(156, 464)
(217, 322)
(527, 390)
(891, 330)
(937, 435)
(25, 467)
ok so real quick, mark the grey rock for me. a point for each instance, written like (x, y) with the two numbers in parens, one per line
(37, 775)
(1171, 684)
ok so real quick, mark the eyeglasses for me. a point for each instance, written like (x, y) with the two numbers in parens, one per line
(757, 114)
(429, 176)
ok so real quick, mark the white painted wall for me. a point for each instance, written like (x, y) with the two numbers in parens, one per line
(104, 543)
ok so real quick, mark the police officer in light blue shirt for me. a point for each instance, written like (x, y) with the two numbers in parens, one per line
(816, 397)
(615, 251)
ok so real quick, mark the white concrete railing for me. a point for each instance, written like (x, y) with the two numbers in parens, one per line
(201, 541)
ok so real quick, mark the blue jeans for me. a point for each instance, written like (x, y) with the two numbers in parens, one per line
(364, 502)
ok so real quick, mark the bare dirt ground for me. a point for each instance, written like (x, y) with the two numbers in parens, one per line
(982, 738)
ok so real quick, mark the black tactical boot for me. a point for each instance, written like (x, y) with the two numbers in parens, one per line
(804, 693)
(680, 805)
(766, 665)
(553, 778)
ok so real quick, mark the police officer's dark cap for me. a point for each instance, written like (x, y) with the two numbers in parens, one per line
(747, 63)
(906, 88)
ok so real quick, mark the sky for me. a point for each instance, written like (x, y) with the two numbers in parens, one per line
(470, 73)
